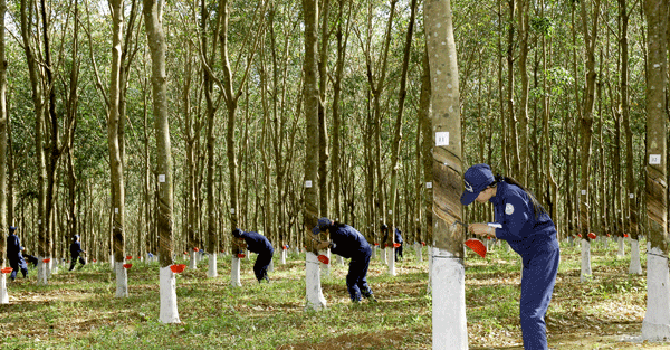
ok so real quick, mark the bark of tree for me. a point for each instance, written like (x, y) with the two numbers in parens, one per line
(448, 290)
(656, 324)
(4, 122)
(522, 127)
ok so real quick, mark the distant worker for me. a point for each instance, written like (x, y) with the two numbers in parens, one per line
(259, 244)
(75, 253)
(398, 240)
(14, 256)
(529, 230)
(347, 242)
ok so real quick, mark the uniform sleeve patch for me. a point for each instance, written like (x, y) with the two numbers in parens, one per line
(509, 209)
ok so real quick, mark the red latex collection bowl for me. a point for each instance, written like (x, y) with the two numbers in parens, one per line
(6, 270)
(592, 235)
(179, 268)
(241, 255)
(323, 259)
(476, 246)
(127, 265)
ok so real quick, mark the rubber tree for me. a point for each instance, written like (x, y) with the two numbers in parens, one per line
(4, 121)
(315, 298)
(153, 19)
(447, 270)
(656, 324)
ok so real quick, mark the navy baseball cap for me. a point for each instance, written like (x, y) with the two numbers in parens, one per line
(476, 179)
(321, 223)
(12, 228)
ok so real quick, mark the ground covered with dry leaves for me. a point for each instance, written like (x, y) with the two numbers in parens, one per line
(78, 309)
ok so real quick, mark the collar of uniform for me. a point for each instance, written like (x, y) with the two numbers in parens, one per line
(500, 193)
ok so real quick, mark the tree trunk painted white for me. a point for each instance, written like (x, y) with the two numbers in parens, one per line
(111, 262)
(374, 252)
(417, 252)
(391, 261)
(296, 251)
(193, 263)
(622, 250)
(430, 269)
(635, 266)
(41, 271)
(656, 324)
(121, 281)
(235, 272)
(271, 267)
(385, 256)
(315, 299)
(340, 260)
(586, 261)
(54, 267)
(4, 296)
(169, 311)
(606, 243)
(325, 268)
(450, 327)
(213, 267)
(283, 256)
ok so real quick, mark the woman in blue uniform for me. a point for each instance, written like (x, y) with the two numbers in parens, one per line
(14, 256)
(531, 233)
(259, 244)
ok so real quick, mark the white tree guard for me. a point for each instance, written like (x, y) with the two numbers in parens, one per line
(283, 256)
(325, 268)
(391, 260)
(635, 267)
(169, 311)
(193, 263)
(417, 252)
(384, 254)
(315, 299)
(42, 278)
(121, 280)
(4, 296)
(586, 261)
(450, 327)
(235, 272)
(213, 267)
(622, 250)
(656, 324)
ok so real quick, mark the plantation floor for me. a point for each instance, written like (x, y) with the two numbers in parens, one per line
(78, 309)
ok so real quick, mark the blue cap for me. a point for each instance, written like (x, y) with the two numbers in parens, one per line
(12, 228)
(322, 222)
(476, 179)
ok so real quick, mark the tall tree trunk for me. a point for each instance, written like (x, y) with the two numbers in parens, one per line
(323, 134)
(4, 122)
(512, 122)
(656, 324)
(522, 127)
(315, 298)
(153, 19)
(448, 287)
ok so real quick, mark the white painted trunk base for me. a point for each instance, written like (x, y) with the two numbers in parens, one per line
(4, 296)
(635, 267)
(315, 299)
(271, 267)
(340, 260)
(42, 278)
(622, 250)
(656, 323)
(213, 267)
(384, 255)
(391, 261)
(450, 327)
(193, 263)
(606, 242)
(417, 252)
(374, 252)
(283, 256)
(111, 262)
(235, 272)
(325, 268)
(430, 269)
(121, 281)
(169, 311)
(587, 273)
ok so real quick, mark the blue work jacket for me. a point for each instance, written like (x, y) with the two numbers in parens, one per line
(257, 243)
(347, 241)
(75, 249)
(515, 213)
(398, 235)
(14, 248)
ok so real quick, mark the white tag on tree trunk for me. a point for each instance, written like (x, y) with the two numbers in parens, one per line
(442, 138)
(232, 211)
(583, 192)
(631, 195)
(429, 184)
(161, 177)
(116, 210)
(654, 159)
(390, 212)
(308, 184)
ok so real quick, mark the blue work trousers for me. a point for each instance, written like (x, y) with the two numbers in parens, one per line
(537, 287)
(358, 269)
(15, 264)
(261, 265)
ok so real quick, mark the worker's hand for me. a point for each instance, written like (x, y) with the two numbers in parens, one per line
(482, 230)
(323, 245)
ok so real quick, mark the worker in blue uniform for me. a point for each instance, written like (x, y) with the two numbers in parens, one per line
(398, 240)
(14, 256)
(75, 253)
(259, 244)
(347, 242)
(530, 232)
